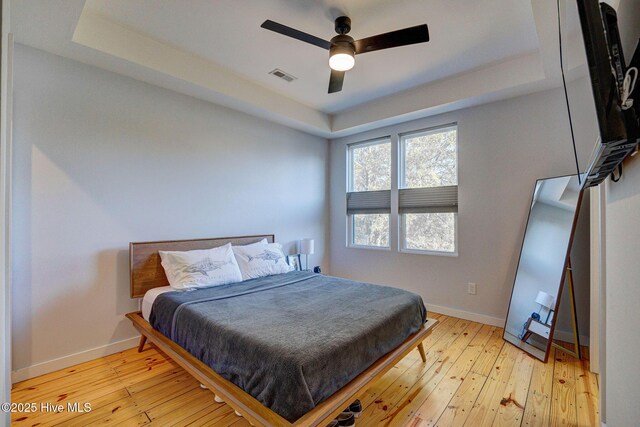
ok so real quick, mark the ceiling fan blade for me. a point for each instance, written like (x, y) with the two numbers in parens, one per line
(335, 81)
(296, 34)
(407, 36)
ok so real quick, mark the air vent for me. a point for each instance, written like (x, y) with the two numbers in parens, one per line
(281, 74)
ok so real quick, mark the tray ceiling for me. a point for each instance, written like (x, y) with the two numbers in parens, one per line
(479, 51)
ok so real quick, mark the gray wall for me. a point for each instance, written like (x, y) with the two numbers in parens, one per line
(101, 160)
(503, 148)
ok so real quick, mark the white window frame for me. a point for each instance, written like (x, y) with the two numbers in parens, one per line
(402, 231)
(350, 219)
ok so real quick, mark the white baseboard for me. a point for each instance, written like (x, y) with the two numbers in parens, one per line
(72, 359)
(466, 315)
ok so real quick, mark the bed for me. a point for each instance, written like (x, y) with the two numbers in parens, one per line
(291, 349)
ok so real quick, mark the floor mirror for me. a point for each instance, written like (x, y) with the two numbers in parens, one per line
(544, 267)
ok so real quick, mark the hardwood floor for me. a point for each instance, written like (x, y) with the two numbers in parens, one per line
(472, 377)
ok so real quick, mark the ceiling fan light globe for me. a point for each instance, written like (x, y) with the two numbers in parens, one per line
(341, 61)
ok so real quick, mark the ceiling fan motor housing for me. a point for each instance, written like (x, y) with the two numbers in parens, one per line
(343, 25)
(342, 44)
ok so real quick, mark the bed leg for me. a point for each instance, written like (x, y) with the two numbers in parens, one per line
(143, 341)
(422, 355)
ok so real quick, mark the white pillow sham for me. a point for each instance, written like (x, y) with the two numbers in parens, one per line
(261, 260)
(201, 268)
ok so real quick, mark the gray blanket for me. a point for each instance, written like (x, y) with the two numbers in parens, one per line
(290, 340)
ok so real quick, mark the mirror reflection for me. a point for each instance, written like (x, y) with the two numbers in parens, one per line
(543, 260)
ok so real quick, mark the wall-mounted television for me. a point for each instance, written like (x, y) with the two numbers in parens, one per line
(599, 54)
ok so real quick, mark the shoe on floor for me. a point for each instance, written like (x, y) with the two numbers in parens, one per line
(346, 419)
(355, 408)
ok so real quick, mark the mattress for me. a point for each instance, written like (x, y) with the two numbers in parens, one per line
(290, 340)
(149, 297)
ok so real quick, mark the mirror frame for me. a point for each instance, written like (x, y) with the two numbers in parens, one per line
(562, 279)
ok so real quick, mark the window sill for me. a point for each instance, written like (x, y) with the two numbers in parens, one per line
(426, 252)
(374, 248)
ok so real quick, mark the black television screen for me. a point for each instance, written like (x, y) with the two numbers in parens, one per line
(598, 37)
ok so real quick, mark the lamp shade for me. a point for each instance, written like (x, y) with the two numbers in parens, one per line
(544, 299)
(306, 246)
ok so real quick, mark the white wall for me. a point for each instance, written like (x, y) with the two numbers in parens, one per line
(101, 160)
(623, 298)
(622, 381)
(620, 385)
(503, 148)
(5, 200)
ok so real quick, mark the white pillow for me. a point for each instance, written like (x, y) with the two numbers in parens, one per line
(261, 260)
(201, 268)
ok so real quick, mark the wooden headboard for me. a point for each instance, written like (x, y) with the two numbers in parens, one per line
(144, 260)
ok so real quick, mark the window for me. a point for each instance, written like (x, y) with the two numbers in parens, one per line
(370, 164)
(429, 232)
(425, 182)
(371, 230)
(369, 193)
(428, 195)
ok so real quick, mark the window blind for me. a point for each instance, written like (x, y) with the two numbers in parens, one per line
(369, 202)
(428, 200)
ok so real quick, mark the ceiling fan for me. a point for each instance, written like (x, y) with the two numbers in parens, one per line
(343, 48)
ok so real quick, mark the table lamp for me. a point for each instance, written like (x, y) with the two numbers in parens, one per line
(306, 249)
(545, 300)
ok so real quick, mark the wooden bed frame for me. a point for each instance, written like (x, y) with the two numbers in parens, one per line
(147, 273)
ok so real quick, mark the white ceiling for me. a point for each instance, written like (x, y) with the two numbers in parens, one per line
(465, 34)
(480, 50)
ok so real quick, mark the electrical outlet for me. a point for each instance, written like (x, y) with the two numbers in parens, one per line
(471, 288)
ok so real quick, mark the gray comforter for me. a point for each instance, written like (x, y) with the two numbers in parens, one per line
(290, 340)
